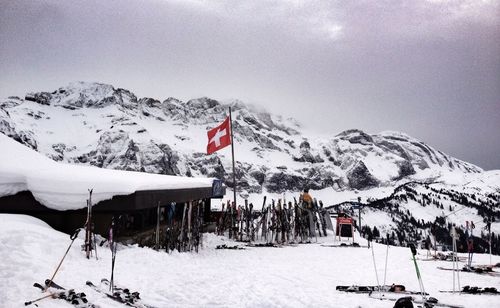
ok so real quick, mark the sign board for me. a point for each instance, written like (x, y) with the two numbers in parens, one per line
(344, 221)
(345, 227)
(218, 189)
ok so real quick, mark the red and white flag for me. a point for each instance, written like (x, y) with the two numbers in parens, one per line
(219, 137)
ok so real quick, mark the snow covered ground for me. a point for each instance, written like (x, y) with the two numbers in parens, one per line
(302, 276)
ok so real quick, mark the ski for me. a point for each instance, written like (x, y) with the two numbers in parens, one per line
(52, 284)
(120, 295)
(443, 257)
(393, 289)
(224, 246)
(88, 227)
(460, 259)
(133, 295)
(265, 245)
(475, 291)
(78, 300)
(427, 303)
(473, 270)
(344, 245)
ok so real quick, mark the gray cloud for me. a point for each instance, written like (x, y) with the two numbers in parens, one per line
(428, 68)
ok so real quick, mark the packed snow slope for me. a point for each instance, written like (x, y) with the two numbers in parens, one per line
(302, 276)
(65, 186)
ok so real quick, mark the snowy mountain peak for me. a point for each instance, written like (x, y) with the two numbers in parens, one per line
(396, 135)
(98, 124)
(202, 103)
(85, 94)
(407, 152)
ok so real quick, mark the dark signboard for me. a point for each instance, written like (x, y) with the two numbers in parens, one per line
(218, 189)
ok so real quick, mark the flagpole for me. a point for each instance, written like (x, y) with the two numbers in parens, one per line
(232, 152)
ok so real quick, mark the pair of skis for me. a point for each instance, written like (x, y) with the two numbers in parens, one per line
(274, 245)
(396, 289)
(476, 291)
(344, 245)
(224, 246)
(427, 302)
(475, 270)
(120, 295)
(90, 238)
(79, 300)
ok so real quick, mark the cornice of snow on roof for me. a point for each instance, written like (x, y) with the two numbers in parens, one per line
(62, 186)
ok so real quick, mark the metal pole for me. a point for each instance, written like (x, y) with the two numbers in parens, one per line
(376, 273)
(489, 233)
(386, 257)
(491, 264)
(72, 237)
(157, 244)
(88, 231)
(232, 152)
(435, 245)
(53, 295)
(359, 211)
(454, 259)
(420, 282)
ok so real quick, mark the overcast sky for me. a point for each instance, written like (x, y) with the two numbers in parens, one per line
(430, 69)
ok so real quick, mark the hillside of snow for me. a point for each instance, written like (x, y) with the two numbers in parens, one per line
(301, 276)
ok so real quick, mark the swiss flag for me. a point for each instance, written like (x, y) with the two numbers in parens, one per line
(219, 137)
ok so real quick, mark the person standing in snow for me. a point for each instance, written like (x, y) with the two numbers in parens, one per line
(307, 199)
(307, 202)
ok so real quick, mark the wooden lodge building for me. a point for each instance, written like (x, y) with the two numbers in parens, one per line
(139, 208)
(57, 193)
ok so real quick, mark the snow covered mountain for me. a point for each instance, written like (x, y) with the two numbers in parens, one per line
(97, 124)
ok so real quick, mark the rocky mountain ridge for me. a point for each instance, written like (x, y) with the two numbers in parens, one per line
(112, 128)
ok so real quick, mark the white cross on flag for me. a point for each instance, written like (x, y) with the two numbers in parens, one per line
(219, 137)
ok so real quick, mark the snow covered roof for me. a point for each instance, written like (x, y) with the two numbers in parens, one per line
(63, 186)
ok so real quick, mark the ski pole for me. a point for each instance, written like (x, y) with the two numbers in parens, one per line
(53, 295)
(421, 284)
(454, 263)
(112, 246)
(456, 270)
(73, 237)
(386, 257)
(376, 273)
(95, 246)
(157, 235)
(111, 284)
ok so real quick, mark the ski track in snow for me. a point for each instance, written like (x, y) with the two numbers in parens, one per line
(302, 276)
